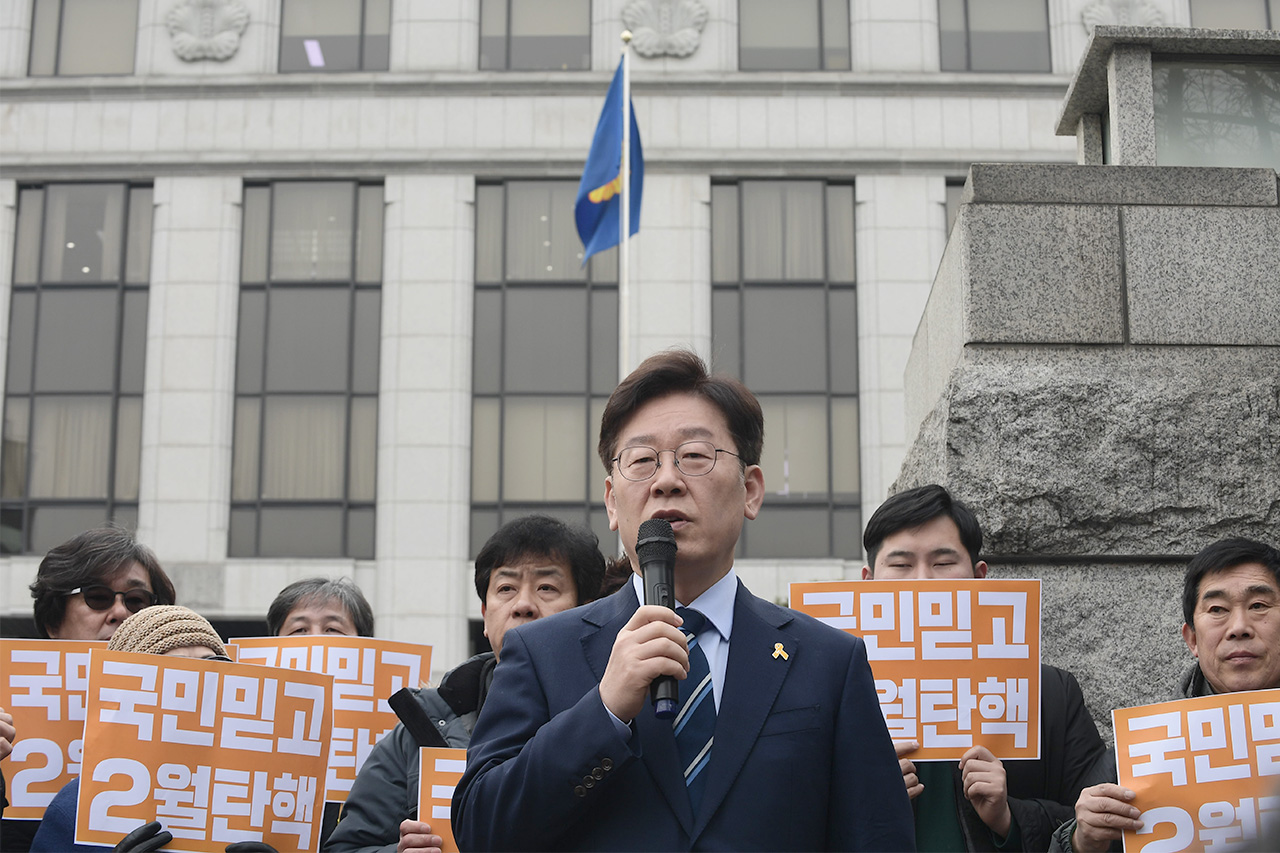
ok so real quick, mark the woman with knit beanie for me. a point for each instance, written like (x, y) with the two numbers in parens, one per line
(166, 629)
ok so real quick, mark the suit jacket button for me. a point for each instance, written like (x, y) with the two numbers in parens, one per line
(580, 791)
(597, 773)
(588, 782)
(606, 763)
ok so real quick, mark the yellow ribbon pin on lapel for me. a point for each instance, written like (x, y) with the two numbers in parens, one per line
(779, 652)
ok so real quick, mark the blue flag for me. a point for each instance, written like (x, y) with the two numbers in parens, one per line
(598, 209)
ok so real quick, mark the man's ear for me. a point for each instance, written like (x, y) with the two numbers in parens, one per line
(753, 481)
(980, 570)
(610, 503)
(1189, 637)
(867, 573)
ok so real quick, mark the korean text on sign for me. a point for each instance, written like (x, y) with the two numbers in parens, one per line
(441, 771)
(43, 687)
(217, 752)
(1205, 770)
(365, 673)
(956, 662)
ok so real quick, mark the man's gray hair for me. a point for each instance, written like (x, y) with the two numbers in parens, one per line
(319, 590)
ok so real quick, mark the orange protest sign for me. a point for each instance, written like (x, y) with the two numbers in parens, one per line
(440, 772)
(217, 752)
(956, 662)
(366, 671)
(43, 687)
(1205, 770)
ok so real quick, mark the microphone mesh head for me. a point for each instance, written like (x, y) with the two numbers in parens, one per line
(654, 537)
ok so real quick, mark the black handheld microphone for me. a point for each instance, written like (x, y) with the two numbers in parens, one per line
(656, 551)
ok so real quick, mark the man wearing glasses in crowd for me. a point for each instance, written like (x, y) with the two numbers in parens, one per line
(791, 751)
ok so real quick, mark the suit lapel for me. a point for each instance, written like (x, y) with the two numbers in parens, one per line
(656, 741)
(753, 677)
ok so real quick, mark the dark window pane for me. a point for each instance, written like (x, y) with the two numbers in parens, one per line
(846, 484)
(369, 236)
(953, 35)
(377, 36)
(84, 232)
(484, 523)
(301, 532)
(52, 525)
(546, 341)
(244, 453)
(796, 458)
(304, 448)
(26, 262)
(307, 339)
(604, 341)
(311, 231)
(126, 516)
(133, 342)
(361, 529)
(138, 251)
(542, 443)
(777, 36)
(13, 462)
(726, 340)
(835, 35)
(489, 219)
(22, 328)
(604, 266)
(846, 526)
(242, 535)
(377, 53)
(368, 324)
(128, 448)
(783, 351)
(12, 525)
(76, 341)
(362, 453)
(253, 321)
(550, 35)
(320, 35)
(1008, 35)
(253, 235)
(1229, 14)
(487, 343)
(70, 447)
(44, 38)
(724, 233)
(782, 231)
(98, 37)
(493, 36)
(955, 191)
(842, 318)
(791, 532)
(486, 449)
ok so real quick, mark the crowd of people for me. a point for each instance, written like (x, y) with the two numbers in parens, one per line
(778, 743)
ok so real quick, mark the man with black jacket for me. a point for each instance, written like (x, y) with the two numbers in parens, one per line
(981, 803)
(532, 567)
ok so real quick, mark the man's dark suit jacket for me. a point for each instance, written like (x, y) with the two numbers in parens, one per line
(802, 758)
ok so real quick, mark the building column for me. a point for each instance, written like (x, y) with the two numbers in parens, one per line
(424, 577)
(901, 231)
(193, 299)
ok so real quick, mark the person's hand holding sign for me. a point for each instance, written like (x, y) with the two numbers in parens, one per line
(416, 836)
(987, 789)
(1103, 814)
(909, 777)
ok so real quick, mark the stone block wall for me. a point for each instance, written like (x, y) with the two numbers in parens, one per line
(1097, 373)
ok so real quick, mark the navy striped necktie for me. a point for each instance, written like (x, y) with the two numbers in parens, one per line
(695, 722)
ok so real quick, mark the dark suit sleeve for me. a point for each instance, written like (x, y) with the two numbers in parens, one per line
(524, 764)
(1074, 757)
(870, 809)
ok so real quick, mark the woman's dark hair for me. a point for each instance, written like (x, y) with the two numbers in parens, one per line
(94, 557)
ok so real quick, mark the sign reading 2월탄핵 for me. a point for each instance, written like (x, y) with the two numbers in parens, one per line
(956, 662)
(217, 752)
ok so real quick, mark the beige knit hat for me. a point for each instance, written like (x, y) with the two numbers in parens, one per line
(162, 628)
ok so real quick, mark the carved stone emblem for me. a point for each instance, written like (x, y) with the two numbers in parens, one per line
(1124, 13)
(207, 29)
(665, 27)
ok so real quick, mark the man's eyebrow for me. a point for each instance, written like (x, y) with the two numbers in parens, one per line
(1255, 589)
(936, 552)
(647, 440)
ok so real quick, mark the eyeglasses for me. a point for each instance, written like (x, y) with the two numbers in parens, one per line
(693, 458)
(101, 597)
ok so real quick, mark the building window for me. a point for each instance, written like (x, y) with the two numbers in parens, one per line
(1217, 114)
(994, 35)
(784, 320)
(535, 35)
(335, 35)
(305, 446)
(955, 191)
(545, 360)
(799, 35)
(79, 37)
(1236, 14)
(77, 340)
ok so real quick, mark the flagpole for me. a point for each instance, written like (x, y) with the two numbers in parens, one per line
(624, 255)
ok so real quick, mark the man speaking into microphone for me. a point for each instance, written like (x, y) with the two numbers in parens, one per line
(775, 740)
